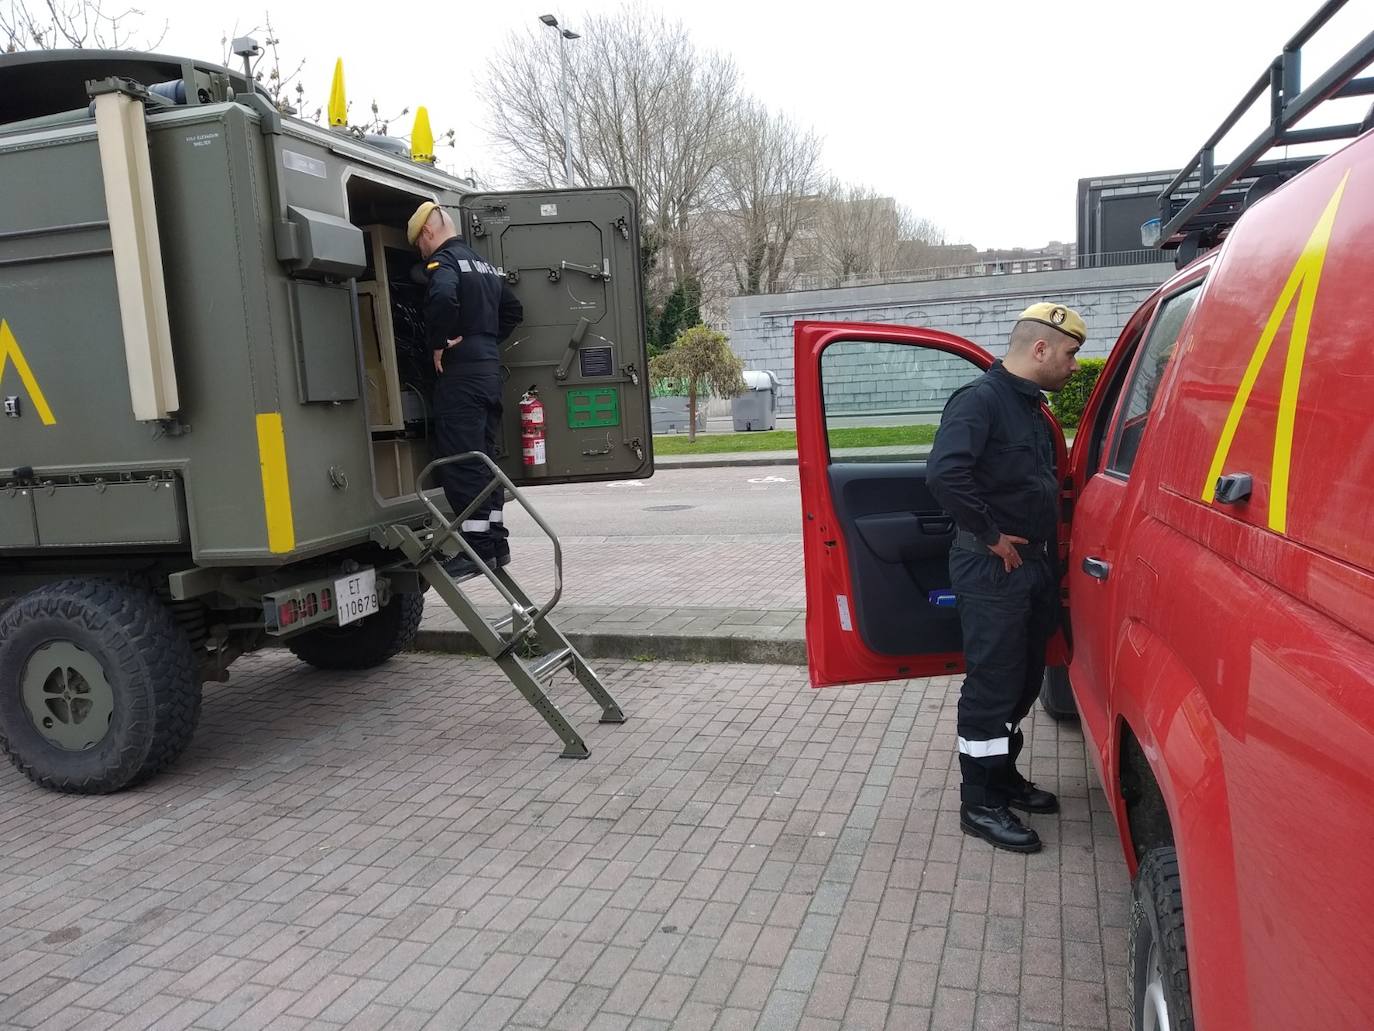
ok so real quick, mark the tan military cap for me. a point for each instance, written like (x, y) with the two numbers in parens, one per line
(418, 220)
(1066, 320)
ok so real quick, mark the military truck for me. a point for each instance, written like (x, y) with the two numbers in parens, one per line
(215, 432)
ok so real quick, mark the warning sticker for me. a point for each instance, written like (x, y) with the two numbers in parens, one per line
(846, 623)
(300, 163)
(548, 210)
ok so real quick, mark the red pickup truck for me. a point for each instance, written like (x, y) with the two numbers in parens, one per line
(1218, 543)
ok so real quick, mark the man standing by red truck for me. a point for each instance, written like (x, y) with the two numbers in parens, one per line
(993, 468)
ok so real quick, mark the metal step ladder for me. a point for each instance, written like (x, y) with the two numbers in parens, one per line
(528, 627)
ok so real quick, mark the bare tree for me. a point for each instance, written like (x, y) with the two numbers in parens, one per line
(769, 173)
(919, 241)
(860, 234)
(283, 79)
(730, 193)
(283, 82)
(856, 232)
(650, 111)
(75, 24)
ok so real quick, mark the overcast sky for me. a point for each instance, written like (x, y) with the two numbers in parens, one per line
(979, 114)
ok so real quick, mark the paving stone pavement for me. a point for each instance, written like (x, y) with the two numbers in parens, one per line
(405, 849)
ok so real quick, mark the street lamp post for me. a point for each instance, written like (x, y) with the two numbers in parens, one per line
(563, 36)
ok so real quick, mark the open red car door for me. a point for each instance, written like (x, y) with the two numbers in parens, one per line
(878, 603)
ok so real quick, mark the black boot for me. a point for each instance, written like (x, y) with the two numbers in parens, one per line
(1024, 795)
(460, 567)
(999, 827)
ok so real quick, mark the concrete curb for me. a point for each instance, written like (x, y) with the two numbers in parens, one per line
(721, 462)
(643, 647)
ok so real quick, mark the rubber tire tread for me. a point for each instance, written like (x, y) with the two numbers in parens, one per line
(1157, 915)
(1053, 689)
(151, 652)
(366, 644)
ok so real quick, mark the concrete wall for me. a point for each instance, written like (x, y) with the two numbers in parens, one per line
(981, 309)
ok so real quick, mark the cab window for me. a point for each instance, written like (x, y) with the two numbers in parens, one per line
(1150, 365)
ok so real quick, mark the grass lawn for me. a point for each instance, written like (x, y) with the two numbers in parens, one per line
(786, 440)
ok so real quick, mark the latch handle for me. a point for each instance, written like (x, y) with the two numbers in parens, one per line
(574, 343)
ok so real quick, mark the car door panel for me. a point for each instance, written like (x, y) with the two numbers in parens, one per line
(898, 539)
(876, 543)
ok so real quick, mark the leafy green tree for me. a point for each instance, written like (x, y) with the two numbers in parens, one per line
(702, 361)
(680, 312)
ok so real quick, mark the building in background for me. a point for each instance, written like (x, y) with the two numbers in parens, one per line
(1111, 210)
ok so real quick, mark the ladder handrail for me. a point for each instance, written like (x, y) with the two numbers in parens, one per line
(499, 479)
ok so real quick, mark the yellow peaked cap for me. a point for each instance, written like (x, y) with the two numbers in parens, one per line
(1057, 316)
(418, 220)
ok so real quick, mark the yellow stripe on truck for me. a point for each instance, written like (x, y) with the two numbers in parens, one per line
(1301, 286)
(10, 354)
(276, 485)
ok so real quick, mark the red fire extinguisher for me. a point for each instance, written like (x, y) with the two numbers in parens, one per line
(532, 430)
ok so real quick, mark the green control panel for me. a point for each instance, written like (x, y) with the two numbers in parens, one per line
(593, 409)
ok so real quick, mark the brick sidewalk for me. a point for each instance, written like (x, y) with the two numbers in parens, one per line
(406, 850)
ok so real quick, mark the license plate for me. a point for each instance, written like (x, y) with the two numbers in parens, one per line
(356, 596)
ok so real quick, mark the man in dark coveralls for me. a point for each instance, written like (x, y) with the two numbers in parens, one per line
(469, 311)
(993, 469)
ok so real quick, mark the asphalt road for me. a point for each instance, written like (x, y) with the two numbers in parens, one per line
(741, 501)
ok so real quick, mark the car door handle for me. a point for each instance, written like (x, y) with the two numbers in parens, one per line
(1234, 488)
(1098, 569)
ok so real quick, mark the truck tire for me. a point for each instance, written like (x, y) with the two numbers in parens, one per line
(367, 643)
(1157, 953)
(99, 687)
(1056, 695)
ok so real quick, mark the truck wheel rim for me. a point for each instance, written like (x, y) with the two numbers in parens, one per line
(1155, 1003)
(66, 696)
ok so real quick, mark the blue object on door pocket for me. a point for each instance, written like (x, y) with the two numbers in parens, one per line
(944, 599)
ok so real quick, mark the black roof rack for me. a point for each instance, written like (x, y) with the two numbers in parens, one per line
(1191, 223)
